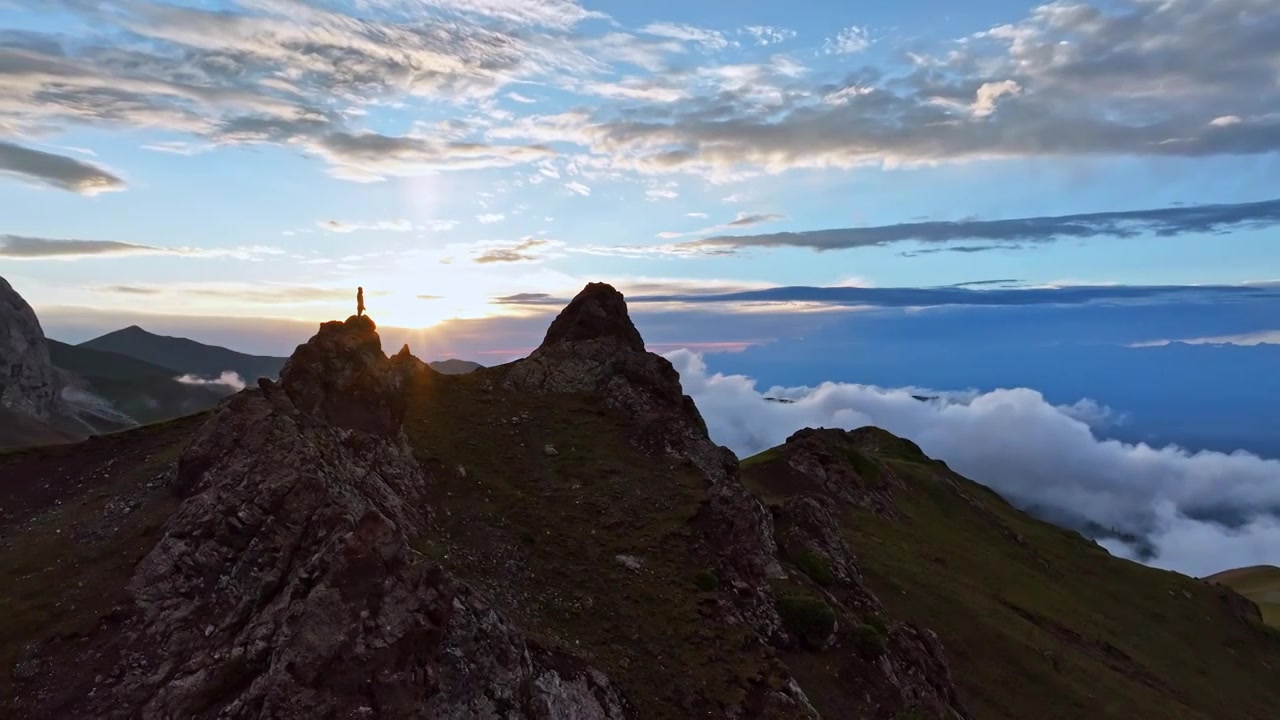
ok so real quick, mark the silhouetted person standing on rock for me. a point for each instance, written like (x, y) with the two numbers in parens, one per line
(359, 301)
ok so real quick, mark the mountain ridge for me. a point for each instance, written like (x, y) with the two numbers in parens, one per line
(553, 537)
(185, 356)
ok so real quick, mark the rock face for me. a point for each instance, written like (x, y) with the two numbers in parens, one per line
(285, 586)
(28, 383)
(593, 347)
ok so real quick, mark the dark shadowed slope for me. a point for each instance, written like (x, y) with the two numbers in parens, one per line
(146, 392)
(185, 356)
(1038, 622)
(1260, 584)
(18, 430)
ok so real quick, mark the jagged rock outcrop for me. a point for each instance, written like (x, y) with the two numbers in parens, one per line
(28, 382)
(286, 586)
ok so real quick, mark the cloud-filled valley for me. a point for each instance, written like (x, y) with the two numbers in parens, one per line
(1201, 512)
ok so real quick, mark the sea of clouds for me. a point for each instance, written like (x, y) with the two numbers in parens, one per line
(1200, 512)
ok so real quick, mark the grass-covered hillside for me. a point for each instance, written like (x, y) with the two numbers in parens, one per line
(1037, 621)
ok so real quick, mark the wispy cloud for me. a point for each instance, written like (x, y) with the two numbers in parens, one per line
(768, 34)
(56, 171)
(852, 39)
(742, 220)
(1261, 337)
(1015, 232)
(708, 39)
(343, 226)
(19, 247)
(241, 292)
(984, 293)
(490, 218)
(527, 250)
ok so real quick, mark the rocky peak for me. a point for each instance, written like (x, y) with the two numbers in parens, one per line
(28, 381)
(342, 376)
(599, 312)
(593, 348)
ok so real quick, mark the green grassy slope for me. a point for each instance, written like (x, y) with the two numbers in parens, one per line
(1260, 584)
(1037, 621)
(185, 356)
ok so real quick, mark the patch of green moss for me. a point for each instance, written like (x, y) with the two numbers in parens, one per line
(868, 640)
(867, 468)
(808, 617)
(878, 623)
(706, 580)
(816, 567)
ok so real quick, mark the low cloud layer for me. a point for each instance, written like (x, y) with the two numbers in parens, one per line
(56, 171)
(227, 379)
(1201, 512)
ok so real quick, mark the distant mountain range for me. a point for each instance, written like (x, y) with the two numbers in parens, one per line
(187, 357)
(142, 390)
(55, 392)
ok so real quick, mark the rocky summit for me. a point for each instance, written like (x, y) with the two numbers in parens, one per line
(555, 538)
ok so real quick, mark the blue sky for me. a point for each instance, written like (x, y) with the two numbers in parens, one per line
(261, 158)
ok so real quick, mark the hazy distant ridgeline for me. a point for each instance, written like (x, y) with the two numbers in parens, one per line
(186, 357)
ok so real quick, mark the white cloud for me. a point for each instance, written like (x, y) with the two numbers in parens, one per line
(708, 39)
(520, 98)
(341, 226)
(1032, 453)
(227, 379)
(1261, 337)
(768, 34)
(490, 218)
(578, 188)
(662, 191)
(850, 40)
(989, 94)
(699, 215)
